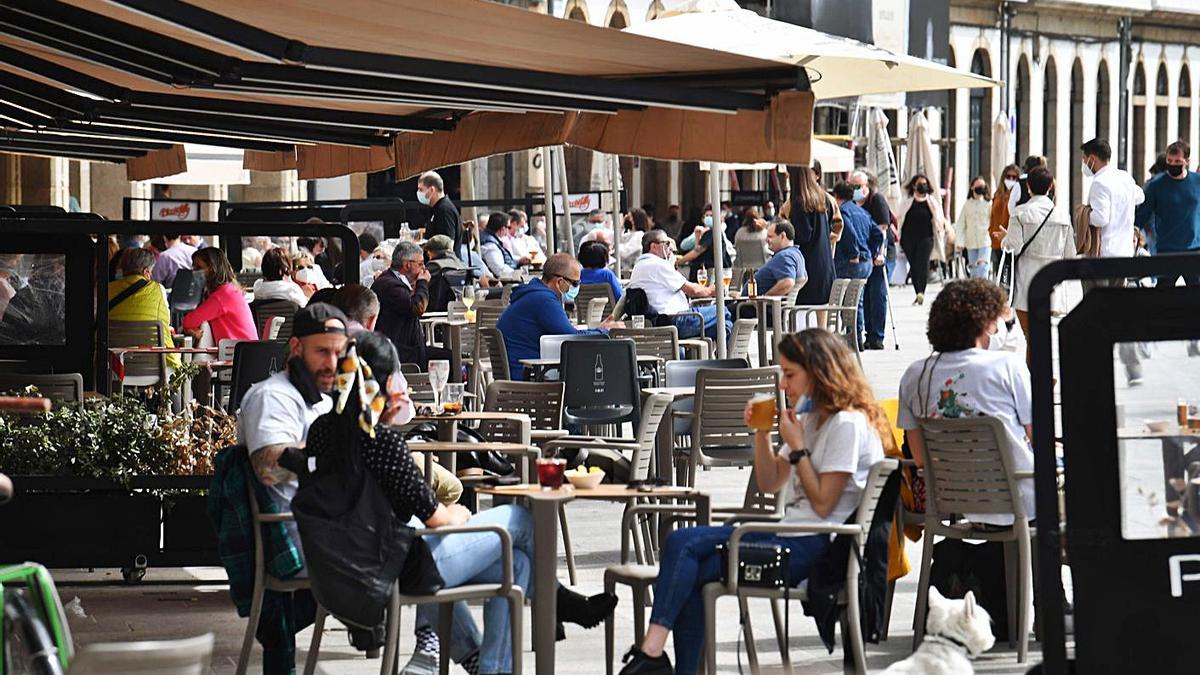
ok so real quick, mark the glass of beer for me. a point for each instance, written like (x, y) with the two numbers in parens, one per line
(762, 411)
(551, 471)
(454, 398)
(727, 278)
(702, 276)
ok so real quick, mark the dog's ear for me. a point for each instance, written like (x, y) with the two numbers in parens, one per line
(935, 596)
(969, 604)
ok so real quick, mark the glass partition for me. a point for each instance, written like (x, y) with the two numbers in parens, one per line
(32, 299)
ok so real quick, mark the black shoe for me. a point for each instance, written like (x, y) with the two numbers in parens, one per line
(874, 345)
(637, 663)
(584, 611)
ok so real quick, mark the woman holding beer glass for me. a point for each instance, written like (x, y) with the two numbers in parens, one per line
(831, 437)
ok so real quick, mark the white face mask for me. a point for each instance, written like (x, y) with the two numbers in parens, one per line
(996, 340)
(1010, 184)
(304, 275)
(1087, 170)
(378, 264)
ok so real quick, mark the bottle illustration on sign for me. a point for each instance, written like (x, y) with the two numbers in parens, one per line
(598, 375)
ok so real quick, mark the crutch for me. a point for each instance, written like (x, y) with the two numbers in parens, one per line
(887, 292)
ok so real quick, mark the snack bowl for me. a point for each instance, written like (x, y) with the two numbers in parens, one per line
(1158, 426)
(585, 481)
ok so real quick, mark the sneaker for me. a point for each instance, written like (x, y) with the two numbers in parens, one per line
(874, 346)
(421, 664)
(1135, 381)
(920, 299)
(638, 663)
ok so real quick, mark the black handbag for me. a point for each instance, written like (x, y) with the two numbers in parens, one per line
(759, 565)
(492, 462)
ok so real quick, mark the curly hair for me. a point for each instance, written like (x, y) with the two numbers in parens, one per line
(838, 382)
(963, 311)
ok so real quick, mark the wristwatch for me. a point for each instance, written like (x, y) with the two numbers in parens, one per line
(795, 456)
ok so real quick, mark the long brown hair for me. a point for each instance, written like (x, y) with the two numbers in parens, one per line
(220, 271)
(838, 382)
(806, 193)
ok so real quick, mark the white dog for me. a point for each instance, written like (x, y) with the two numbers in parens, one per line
(956, 631)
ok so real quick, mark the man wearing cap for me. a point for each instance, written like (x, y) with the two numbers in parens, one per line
(403, 294)
(439, 259)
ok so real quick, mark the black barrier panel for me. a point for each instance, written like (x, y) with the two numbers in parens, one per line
(1136, 576)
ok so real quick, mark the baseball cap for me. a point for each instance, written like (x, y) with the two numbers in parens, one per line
(311, 320)
(439, 242)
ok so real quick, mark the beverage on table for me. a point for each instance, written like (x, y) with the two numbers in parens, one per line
(551, 471)
(439, 375)
(762, 411)
(454, 398)
(702, 276)
(1182, 413)
(727, 278)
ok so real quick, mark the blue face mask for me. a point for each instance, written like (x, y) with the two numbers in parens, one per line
(804, 406)
(708, 221)
(860, 194)
(423, 198)
(571, 293)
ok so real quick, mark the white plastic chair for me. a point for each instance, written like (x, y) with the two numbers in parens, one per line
(190, 656)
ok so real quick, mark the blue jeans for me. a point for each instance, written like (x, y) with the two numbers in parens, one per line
(875, 299)
(689, 561)
(860, 270)
(689, 327)
(474, 557)
(979, 262)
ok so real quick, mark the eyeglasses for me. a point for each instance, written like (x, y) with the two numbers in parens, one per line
(573, 282)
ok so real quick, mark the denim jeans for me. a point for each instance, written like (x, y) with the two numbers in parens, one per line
(979, 263)
(875, 299)
(689, 327)
(689, 561)
(474, 557)
(860, 270)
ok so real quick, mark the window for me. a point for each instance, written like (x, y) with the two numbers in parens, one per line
(33, 299)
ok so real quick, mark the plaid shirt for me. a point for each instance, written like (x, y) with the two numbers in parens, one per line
(229, 510)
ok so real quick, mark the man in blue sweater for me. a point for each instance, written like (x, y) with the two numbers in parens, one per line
(1171, 212)
(536, 309)
(858, 247)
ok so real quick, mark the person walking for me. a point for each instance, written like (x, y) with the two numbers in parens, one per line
(920, 221)
(860, 244)
(1010, 177)
(1113, 199)
(875, 298)
(1170, 215)
(973, 227)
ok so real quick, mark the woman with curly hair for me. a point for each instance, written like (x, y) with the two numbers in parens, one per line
(831, 436)
(970, 374)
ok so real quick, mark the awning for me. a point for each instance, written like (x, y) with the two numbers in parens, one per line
(837, 66)
(833, 159)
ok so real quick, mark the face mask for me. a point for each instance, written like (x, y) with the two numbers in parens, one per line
(522, 231)
(571, 293)
(860, 195)
(996, 340)
(923, 189)
(422, 197)
(1175, 170)
(981, 191)
(708, 221)
(304, 276)
(378, 264)
(1087, 170)
(303, 380)
(770, 213)
(596, 225)
(804, 405)
(1010, 184)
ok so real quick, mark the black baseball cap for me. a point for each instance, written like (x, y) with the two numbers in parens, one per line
(311, 320)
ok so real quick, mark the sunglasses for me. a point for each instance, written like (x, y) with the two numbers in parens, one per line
(573, 282)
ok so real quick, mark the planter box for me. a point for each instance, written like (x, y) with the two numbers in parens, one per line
(80, 529)
(187, 530)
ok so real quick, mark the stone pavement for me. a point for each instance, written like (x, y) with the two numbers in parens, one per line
(179, 603)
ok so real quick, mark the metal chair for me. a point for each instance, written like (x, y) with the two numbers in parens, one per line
(628, 459)
(253, 362)
(852, 639)
(837, 293)
(550, 349)
(661, 342)
(271, 329)
(187, 290)
(190, 656)
(601, 382)
(789, 304)
(589, 292)
(635, 302)
(596, 309)
(141, 370)
(719, 433)
(262, 310)
(843, 317)
(505, 589)
(492, 341)
(741, 337)
(969, 469)
(683, 374)
(60, 388)
(264, 582)
(419, 388)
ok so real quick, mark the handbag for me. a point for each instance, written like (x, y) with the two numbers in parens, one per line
(759, 565)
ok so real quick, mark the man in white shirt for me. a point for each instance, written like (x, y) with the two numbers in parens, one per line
(667, 291)
(1113, 198)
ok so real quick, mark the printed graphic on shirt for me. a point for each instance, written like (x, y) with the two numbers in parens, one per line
(950, 403)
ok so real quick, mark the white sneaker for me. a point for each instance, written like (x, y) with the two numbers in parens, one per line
(421, 664)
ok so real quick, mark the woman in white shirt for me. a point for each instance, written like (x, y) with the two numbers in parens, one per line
(1038, 234)
(969, 375)
(276, 282)
(831, 438)
(971, 230)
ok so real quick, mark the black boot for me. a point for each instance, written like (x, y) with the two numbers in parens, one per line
(638, 663)
(582, 610)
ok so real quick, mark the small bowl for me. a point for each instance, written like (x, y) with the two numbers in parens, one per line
(585, 481)
(1158, 426)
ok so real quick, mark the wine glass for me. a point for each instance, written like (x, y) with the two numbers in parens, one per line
(439, 375)
(468, 296)
(727, 278)
(702, 276)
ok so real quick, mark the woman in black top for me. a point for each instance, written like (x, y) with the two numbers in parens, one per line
(808, 210)
(918, 221)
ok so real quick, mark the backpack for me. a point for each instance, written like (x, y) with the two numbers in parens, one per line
(1087, 236)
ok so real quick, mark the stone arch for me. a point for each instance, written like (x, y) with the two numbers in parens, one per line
(1138, 130)
(1103, 102)
(1022, 107)
(1076, 132)
(577, 10)
(656, 8)
(1183, 99)
(1050, 114)
(618, 15)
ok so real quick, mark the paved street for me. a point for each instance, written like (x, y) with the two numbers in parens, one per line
(176, 603)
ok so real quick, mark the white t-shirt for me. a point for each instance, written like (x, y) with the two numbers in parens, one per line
(274, 413)
(661, 282)
(1114, 197)
(846, 443)
(968, 383)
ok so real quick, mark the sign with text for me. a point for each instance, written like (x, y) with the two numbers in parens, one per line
(169, 209)
(585, 202)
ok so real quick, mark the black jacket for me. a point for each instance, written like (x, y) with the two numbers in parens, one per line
(444, 219)
(441, 290)
(400, 311)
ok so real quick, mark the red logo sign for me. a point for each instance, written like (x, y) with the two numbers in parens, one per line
(180, 211)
